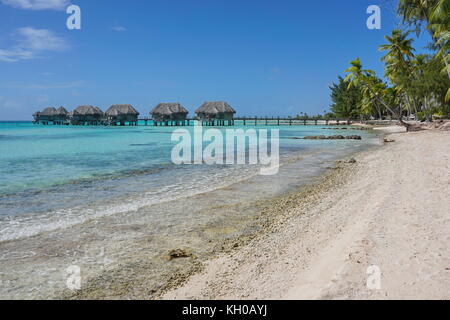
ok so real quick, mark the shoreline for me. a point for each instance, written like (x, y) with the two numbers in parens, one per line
(269, 212)
(323, 243)
(262, 215)
(273, 215)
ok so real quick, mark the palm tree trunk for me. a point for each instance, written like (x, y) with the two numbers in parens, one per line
(398, 116)
(377, 106)
(415, 105)
(379, 99)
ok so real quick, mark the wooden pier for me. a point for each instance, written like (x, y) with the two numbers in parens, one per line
(279, 121)
(245, 121)
(187, 122)
(248, 121)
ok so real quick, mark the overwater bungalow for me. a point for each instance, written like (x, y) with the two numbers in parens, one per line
(216, 113)
(36, 116)
(46, 116)
(87, 115)
(122, 114)
(169, 114)
(61, 116)
(51, 115)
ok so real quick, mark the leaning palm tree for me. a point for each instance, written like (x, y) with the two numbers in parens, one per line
(357, 76)
(365, 78)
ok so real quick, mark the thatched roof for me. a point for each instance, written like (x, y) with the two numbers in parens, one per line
(37, 114)
(121, 109)
(50, 111)
(168, 109)
(215, 108)
(87, 110)
(62, 111)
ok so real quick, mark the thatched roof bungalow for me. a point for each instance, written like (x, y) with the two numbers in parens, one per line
(36, 116)
(215, 111)
(62, 112)
(48, 114)
(61, 115)
(122, 113)
(169, 112)
(51, 114)
(86, 115)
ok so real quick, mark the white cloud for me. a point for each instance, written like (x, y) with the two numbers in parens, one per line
(38, 4)
(9, 104)
(15, 54)
(31, 42)
(119, 28)
(41, 40)
(64, 85)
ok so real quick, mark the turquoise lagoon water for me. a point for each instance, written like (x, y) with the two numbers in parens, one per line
(56, 176)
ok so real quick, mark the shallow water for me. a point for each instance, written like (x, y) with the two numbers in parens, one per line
(66, 191)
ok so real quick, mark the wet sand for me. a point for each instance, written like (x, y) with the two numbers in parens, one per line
(389, 211)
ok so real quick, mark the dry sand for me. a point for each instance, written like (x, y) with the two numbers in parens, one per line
(392, 210)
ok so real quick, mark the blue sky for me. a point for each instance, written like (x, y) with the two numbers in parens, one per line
(263, 57)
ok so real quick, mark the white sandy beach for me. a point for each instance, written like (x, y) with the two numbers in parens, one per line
(391, 210)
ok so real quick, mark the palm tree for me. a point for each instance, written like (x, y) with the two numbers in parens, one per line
(436, 15)
(415, 12)
(399, 52)
(398, 61)
(440, 23)
(357, 76)
(368, 103)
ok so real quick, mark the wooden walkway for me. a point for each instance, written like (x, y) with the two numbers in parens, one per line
(245, 121)
(250, 121)
(278, 121)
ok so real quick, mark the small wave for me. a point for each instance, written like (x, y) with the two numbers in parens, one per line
(28, 225)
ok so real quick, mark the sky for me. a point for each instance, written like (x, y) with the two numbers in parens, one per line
(264, 57)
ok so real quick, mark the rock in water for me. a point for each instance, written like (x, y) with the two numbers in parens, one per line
(315, 138)
(336, 137)
(179, 253)
(353, 138)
